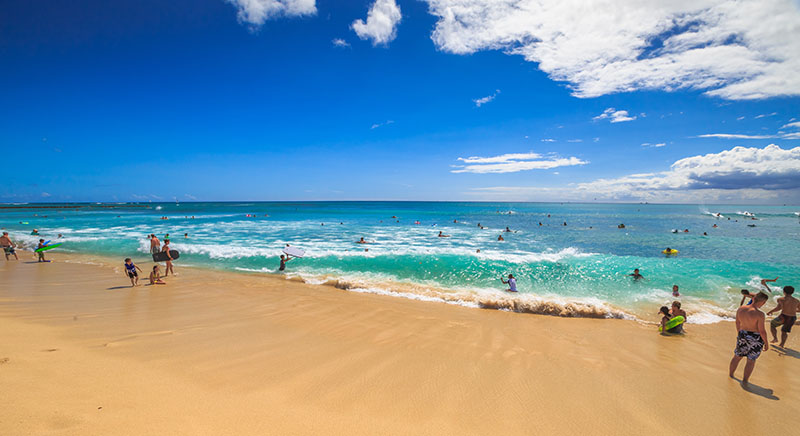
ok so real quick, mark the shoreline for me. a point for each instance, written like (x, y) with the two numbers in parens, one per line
(216, 352)
(522, 303)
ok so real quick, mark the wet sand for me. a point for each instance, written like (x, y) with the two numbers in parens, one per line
(236, 354)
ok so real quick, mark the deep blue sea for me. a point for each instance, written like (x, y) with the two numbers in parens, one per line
(577, 269)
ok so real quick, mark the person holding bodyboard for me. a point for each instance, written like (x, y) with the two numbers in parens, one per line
(290, 253)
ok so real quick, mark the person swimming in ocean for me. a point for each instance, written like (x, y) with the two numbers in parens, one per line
(362, 241)
(675, 292)
(442, 235)
(636, 275)
(511, 282)
(500, 238)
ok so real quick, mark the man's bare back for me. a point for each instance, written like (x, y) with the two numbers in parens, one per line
(789, 305)
(750, 319)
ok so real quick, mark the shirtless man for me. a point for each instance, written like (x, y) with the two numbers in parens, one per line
(8, 246)
(636, 275)
(752, 336)
(788, 306)
(155, 244)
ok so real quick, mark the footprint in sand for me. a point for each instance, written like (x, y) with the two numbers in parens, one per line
(4, 360)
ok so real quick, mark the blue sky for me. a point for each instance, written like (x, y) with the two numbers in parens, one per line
(286, 100)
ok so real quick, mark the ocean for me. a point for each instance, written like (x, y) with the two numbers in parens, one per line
(577, 269)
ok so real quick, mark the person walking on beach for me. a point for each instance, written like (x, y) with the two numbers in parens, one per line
(752, 337)
(8, 246)
(168, 268)
(130, 270)
(511, 282)
(155, 244)
(788, 306)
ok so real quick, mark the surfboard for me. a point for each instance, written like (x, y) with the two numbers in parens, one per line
(47, 247)
(162, 256)
(294, 251)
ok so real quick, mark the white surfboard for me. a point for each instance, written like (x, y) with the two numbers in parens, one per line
(294, 251)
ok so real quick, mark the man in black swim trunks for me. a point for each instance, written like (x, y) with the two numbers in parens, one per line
(752, 337)
(8, 246)
(788, 306)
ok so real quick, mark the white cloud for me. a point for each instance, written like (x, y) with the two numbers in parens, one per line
(740, 118)
(574, 140)
(739, 174)
(548, 140)
(614, 116)
(660, 144)
(731, 49)
(190, 196)
(381, 25)
(385, 123)
(795, 125)
(766, 115)
(483, 100)
(45, 194)
(339, 42)
(514, 162)
(256, 12)
(734, 136)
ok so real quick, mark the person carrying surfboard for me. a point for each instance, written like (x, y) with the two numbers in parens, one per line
(284, 259)
(41, 253)
(168, 269)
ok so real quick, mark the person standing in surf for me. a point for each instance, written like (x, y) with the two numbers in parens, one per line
(155, 244)
(168, 269)
(284, 259)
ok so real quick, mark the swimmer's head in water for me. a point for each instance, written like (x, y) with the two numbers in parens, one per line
(674, 287)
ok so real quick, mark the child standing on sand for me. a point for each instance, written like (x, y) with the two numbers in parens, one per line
(41, 253)
(130, 270)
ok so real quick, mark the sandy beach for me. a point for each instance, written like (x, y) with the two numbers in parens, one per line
(225, 353)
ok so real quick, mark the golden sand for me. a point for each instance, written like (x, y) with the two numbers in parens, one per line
(237, 354)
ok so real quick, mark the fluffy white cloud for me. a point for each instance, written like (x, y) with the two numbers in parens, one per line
(381, 25)
(339, 42)
(794, 125)
(614, 116)
(739, 174)
(483, 100)
(514, 162)
(737, 50)
(256, 12)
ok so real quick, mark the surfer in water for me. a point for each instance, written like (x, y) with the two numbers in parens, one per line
(442, 235)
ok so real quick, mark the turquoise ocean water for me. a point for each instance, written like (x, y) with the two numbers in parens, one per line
(575, 270)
